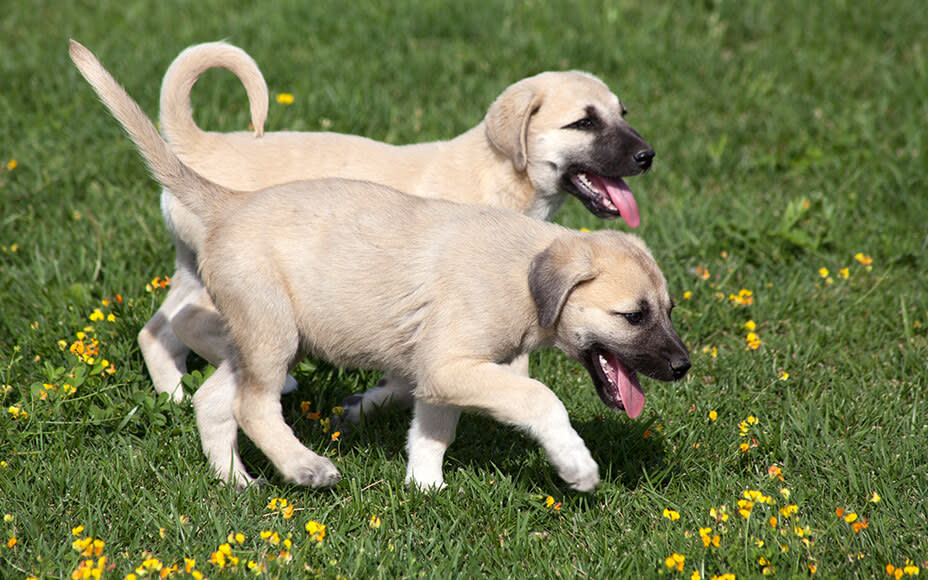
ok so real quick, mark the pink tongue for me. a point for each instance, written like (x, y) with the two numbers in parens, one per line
(629, 387)
(621, 196)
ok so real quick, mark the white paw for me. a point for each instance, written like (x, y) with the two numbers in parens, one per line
(311, 470)
(427, 485)
(579, 471)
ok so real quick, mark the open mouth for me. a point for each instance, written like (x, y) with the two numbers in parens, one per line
(616, 383)
(606, 197)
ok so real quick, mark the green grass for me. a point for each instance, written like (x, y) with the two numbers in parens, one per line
(790, 137)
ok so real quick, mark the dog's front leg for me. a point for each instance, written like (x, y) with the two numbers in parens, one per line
(432, 431)
(520, 401)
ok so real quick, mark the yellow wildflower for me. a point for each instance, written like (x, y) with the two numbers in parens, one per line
(702, 273)
(750, 325)
(316, 530)
(374, 522)
(789, 510)
(744, 297)
(863, 260)
(285, 98)
(671, 515)
(96, 315)
(719, 515)
(11, 164)
(823, 272)
(844, 273)
(875, 498)
(753, 341)
(713, 415)
(675, 561)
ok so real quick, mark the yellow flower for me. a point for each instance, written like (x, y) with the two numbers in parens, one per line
(789, 510)
(675, 561)
(285, 98)
(850, 518)
(875, 498)
(671, 515)
(783, 375)
(272, 538)
(711, 351)
(719, 515)
(316, 530)
(713, 415)
(189, 564)
(374, 522)
(11, 542)
(695, 575)
(336, 435)
(753, 341)
(844, 273)
(744, 297)
(96, 315)
(687, 295)
(234, 538)
(11, 165)
(17, 412)
(864, 260)
(823, 272)
(745, 507)
(750, 325)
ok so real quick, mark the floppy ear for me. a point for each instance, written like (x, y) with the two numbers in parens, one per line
(507, 122)
(554, 273)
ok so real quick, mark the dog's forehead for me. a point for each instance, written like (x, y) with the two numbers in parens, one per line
(625, 264)
(576, 91)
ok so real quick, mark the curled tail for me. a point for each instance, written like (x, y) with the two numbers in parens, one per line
(177, 122)
(203, 197)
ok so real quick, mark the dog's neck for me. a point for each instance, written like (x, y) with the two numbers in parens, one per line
(495, 176)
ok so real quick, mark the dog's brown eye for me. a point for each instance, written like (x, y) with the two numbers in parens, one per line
(633, 318)
(584, 124)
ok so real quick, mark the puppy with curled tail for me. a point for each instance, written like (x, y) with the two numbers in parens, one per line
(366, 276)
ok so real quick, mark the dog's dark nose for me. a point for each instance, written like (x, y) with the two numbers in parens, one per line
(679, 367)
(643, 158)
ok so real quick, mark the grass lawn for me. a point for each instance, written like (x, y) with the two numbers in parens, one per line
(787, 206)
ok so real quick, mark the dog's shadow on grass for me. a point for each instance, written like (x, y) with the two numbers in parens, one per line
(626, 450)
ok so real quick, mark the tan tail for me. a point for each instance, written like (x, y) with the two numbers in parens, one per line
(177, 122)
(203, 197)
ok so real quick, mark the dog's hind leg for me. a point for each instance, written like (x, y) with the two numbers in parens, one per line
(202, 328)
(519, 401)
(268, 343)
(165, 354)
(213, 404)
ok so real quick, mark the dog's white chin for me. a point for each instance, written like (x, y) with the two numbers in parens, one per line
(621, 389)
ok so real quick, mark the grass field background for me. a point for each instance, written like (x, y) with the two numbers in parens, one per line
(788, 199)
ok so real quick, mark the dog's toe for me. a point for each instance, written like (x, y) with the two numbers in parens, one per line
(311, 470)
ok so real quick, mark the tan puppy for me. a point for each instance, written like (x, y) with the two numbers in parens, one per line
(441, 294)
(544, 137)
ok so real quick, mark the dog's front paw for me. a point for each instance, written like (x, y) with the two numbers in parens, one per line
(310, 470)
(427, 485)
(579, 470)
